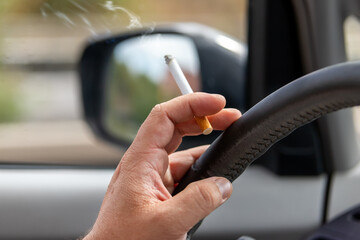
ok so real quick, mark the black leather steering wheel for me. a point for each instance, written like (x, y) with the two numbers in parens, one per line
(275, 117)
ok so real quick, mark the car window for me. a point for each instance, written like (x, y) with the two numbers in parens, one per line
(352, 38)
(40, 43)
(352, 48)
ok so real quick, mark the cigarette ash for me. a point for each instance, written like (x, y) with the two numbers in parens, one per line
(168, 58)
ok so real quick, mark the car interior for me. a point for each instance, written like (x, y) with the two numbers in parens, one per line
(77, 79)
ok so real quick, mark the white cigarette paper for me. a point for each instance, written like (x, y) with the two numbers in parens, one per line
(185, 88)
(178, 75)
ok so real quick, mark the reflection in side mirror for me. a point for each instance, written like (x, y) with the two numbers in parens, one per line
(137, 78)
(124, 76)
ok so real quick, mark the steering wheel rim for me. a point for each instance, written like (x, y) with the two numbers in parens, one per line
(275, 117)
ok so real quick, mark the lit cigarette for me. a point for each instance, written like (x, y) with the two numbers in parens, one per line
(185, 88)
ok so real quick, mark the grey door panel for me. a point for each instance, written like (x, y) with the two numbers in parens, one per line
(63, 204)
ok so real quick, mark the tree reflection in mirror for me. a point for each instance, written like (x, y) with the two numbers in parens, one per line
(137, 78)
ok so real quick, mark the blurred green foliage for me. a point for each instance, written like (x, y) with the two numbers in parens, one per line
(9, 102)
(9, 107)
(129, 100)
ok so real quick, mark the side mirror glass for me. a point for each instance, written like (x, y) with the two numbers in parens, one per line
(137, 79)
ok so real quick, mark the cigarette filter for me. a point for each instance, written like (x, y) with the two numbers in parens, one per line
(185, 88)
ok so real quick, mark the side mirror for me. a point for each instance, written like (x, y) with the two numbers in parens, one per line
(124, 76)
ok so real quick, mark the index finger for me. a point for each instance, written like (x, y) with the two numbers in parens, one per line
(159, 127)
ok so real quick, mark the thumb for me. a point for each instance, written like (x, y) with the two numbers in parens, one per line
(198, 200)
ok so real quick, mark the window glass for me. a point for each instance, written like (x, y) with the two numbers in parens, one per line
(352, 47)
(352, 38)
(40, 44)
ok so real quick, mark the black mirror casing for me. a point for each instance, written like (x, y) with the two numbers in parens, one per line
(223, 71)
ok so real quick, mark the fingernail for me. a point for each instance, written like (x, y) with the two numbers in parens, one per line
(234, 111)
(219, 96)
(224, 186)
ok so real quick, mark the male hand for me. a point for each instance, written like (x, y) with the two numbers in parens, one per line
(138, 203)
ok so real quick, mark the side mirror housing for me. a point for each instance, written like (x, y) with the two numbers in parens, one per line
(124, 76)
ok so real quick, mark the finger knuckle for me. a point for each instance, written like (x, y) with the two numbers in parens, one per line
(159, 108)
(158, 111)
(156, 108)
(206, 197)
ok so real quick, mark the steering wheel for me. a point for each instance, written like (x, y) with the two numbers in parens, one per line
(275, 117)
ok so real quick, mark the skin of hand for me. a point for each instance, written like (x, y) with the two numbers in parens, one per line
(138, 203)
